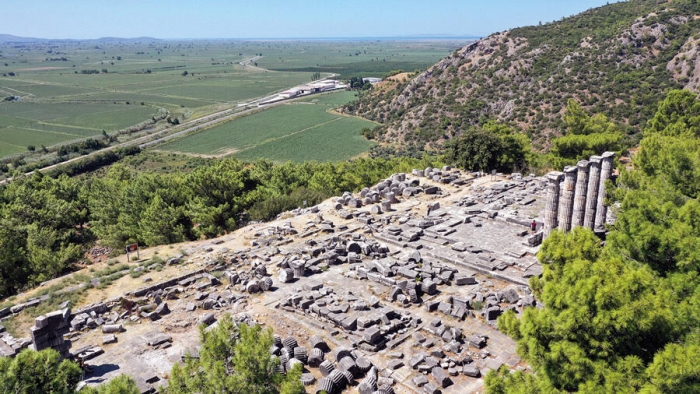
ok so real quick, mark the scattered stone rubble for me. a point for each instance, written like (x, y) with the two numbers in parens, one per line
(339, 368)
(9, 345)
(99, 253)
(398, 286)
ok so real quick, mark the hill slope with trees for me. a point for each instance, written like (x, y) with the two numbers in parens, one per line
(623, 317)
(47, 222)
(617, 60)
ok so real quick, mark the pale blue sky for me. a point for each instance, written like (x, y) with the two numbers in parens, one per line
(276, 18)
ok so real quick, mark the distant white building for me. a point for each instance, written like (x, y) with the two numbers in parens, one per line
(302, 90)
(371, 80)
(289, 93)
(325, 85)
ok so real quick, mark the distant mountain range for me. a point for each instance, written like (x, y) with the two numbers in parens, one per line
(9, 39)
(618, 60)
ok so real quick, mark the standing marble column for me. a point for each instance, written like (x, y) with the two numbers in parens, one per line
(552, 209)
(605, 172)
(566, 202)
(580, 194)
(592, 192)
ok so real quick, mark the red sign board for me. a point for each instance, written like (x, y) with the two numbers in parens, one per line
(132, 248)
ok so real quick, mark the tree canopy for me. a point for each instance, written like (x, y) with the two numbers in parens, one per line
(584, 136)
(234, 359)
(122, 384)
(38, 372)
(494, 146)
(623, 317)
(47, 222)
(678, 113)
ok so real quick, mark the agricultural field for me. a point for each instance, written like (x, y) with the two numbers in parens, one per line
(23, 124)
(54, 92)
(334, 100)
(334, 141)
(299, 131)
(366, 58)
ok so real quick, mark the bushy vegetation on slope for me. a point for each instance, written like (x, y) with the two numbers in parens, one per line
(233, 359)
(623, 317)
(47, 222)
(618, 60)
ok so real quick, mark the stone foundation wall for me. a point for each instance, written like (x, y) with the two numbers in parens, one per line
(48, 332)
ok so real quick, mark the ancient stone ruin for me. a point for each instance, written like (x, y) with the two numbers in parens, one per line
(576, 196)
(48, 332)
(395, 287)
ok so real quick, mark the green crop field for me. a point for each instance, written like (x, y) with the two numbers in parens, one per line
(356, 58)
(339, 140)
(251, 130)
(63, 91)
(60, 116)
(23, 124)
(24, 137)
(332, 100)
(7, 149)
(54, 111)
(298, 131)
(150, 99)
(231, 88)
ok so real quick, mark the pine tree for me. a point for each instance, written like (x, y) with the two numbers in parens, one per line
(122, 384)
(234, 359)
(38, 372)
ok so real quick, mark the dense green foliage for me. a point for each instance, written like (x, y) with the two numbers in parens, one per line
(33, 372)
(234, 359)
(623, 317)
(491, 147)
(359, 83)
(122, 384)
(47, 223)
(97, 161)
(617, 61)
(678, 115)
(584, 136)
(41, 231)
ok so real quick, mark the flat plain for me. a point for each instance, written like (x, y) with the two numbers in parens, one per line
(56, 92)
(302, 130)
(24, 123)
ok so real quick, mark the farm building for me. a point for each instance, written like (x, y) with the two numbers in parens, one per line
(301, 90)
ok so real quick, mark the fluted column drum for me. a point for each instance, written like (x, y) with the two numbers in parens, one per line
(580, 194)
(566, 199)
(552, 210)
(592, 192)
(605, 172)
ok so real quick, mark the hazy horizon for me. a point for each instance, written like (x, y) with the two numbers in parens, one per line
(276, 19)
(362, 38)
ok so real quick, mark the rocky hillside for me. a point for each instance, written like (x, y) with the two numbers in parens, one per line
(618, 60)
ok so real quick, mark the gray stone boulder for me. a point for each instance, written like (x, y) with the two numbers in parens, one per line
(441, 377)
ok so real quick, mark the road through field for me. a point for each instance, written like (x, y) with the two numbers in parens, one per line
(168, 134)
(147, 141)
(252, 60)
